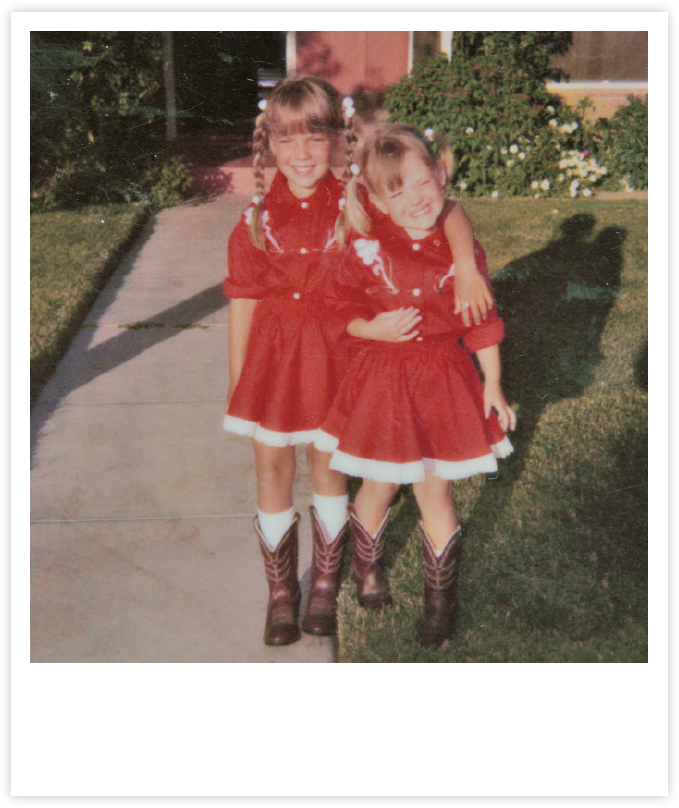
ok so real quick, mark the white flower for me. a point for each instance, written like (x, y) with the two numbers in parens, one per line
(545, 185)
(367, 250)
(495, 194)
(510, 163)
(535, 184)
(553, 123)
(561, 178)
(503, 150)
(566, 128)
(550, 108)
(469, 131)
(522, 155)
(463, 185)
(587, 192)
(574, 126)
(513, 148)
(574, 188)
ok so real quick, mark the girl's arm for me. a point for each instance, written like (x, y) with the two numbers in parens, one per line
(387, 326)
(472, 295)
(240, 321)
(493, 397)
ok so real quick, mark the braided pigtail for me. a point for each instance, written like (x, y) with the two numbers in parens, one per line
(352, 215)
(259, 146)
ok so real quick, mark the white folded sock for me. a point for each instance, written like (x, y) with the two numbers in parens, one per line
(332, 512)
(275, 525)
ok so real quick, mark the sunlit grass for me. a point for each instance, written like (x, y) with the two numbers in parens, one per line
(72, 256)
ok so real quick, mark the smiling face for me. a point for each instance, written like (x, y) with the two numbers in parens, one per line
(417, 201)
(303, 159)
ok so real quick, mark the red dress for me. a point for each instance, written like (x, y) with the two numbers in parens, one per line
(291, 371)
(410, 408)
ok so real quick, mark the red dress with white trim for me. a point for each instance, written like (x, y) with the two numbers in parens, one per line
(410, 408)
(291, 370)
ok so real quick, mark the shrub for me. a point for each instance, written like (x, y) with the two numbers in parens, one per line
(623, 142)
(111, 147)
(510, 136)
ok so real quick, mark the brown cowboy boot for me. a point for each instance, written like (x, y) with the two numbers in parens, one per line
(280, 567)
(366, 563)
(440, 590)
(321, 613)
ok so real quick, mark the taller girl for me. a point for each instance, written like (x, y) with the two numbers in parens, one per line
(283, 372)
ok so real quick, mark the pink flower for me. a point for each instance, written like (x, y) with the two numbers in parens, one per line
(585, 153)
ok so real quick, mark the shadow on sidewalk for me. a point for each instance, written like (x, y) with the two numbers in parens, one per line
(82, 366)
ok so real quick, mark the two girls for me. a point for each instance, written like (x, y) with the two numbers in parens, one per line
(284, 367)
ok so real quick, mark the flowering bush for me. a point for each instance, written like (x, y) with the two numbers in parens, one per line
(510, 137)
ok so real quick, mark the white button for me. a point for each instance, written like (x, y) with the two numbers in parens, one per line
(416, 292)
(305, 204)
(419, 339)
(297, 295)
(303, 250)
(416, 246)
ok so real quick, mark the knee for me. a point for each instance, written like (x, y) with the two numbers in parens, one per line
(378, 491)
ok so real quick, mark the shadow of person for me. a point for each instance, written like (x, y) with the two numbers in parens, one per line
(554, 303)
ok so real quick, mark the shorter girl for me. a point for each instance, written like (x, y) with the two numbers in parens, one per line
(411, 408)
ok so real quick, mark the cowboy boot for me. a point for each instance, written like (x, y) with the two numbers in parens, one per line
(321, 613)
(366, 563)
(440, 589)
(280, 567)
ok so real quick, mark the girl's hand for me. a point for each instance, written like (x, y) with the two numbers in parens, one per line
(388, 326)
(493, 399)
(472, 297)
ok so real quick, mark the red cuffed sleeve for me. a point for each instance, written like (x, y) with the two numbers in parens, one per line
(247, 266)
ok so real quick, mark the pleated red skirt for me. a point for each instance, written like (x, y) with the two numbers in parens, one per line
(290, 375)
(403, 410)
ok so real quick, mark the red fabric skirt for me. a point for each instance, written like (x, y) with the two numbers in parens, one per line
(290, 375)
(412, 408)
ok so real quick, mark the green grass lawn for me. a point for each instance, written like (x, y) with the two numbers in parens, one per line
(554, 564)
(72, 255)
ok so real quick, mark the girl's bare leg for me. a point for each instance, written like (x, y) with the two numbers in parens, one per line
(372, 503)
(326, 481)
(275, 469)
(434, 499)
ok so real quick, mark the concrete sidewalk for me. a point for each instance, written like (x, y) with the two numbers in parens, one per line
(142, 547)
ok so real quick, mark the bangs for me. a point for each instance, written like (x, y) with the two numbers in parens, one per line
(302, 108)
(384, 158)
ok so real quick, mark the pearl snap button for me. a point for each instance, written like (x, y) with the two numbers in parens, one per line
(416, 246)
(418, 339)
(416, 292)
(297, 295)
(303, 250)
(305, 204)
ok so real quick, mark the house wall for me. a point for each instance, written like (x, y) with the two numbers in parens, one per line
(354, 60)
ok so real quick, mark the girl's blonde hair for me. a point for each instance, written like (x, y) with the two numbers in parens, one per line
(378, 164)
(296, 106)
